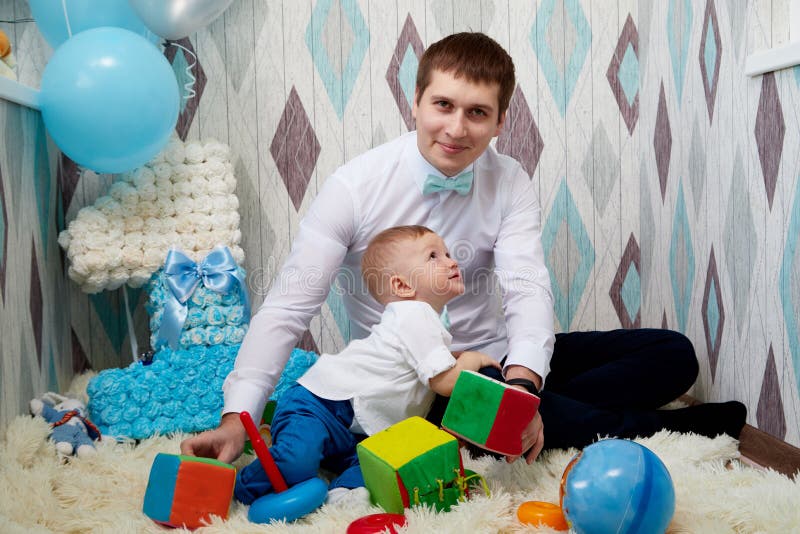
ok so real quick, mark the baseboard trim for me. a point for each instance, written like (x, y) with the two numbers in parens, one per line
(768, 451)
(764, 449)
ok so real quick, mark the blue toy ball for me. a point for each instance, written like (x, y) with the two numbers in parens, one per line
(617, 486)
(109, 99)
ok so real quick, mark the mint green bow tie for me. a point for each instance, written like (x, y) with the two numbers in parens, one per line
(461, 184)
(445, 319)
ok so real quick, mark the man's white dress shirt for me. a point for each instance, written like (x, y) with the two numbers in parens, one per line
(387, 373)
(494, 232)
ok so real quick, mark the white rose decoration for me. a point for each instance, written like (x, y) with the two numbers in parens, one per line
(133, 223)
(188, 242)
(203, 244)
(184, 223)
(169, 225)
(204, 204)
(139, 277)
(154, 225)
(199, 186)
(213, 169)
(117, 278)
(107, 206)
(174, 153)
(183, 206)
(201, 223)
(217, 187)
(194, 152)
(143, 176)
(132, 257)
(180, 173)
(153, 258)
(165, 208)
(96, 282)
(182, 190)
(147, 193)
(162, 170)
(92, 220)
(184, 198)
(113, 258)
(119, 191)
(134, 239)
(238, 254)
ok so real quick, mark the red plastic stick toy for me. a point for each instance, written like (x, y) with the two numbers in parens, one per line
(272, 471)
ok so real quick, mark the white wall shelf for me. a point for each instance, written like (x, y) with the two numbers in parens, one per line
(779, 57)
(18, 93)
(773, 59)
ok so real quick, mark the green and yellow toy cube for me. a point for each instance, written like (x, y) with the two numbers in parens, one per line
(410, 463)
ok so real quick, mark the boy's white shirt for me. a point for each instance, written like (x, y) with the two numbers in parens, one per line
(494, 232)
(387, 373)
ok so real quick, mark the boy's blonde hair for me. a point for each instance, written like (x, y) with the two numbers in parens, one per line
(378, 260)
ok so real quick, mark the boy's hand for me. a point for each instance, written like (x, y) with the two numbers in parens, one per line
(488, 361)
(469, 360)
(474, 360)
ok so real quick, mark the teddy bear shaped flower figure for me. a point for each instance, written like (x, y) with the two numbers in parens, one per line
(72, 433)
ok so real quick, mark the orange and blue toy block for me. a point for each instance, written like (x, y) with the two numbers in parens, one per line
(185, 491)
(489, 413)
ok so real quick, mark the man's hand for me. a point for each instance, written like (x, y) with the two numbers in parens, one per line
(225, 443)
(532, 438)
(533, 435)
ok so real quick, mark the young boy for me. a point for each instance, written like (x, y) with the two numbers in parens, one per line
(377, 381)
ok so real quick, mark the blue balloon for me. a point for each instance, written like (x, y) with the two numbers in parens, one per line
(290, 504)
(109, 99)
(85, 15)
(617, 486)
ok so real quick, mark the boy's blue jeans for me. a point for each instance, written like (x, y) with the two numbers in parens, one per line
(308, 432)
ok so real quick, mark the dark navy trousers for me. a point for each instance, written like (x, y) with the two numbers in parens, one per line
(608, 384)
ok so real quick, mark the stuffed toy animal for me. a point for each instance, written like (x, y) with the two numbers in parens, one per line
(73, 433)
(7, 62)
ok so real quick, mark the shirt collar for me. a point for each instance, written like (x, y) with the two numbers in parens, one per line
(421, 168)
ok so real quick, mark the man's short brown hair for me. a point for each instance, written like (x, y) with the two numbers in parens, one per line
(473, 55)
(376, 263)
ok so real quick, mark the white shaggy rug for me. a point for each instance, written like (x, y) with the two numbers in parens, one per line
(715, 493)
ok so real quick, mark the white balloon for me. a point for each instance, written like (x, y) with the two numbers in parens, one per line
(175, 19)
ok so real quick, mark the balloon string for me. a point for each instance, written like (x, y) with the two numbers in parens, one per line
(188, 86)
(129, 320)
(66, 17)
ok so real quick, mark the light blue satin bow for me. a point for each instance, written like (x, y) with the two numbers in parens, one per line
(218, 272)
(461, 184)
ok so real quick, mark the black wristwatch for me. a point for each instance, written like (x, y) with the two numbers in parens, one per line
(524, 382)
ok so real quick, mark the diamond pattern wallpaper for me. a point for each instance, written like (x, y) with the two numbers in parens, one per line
(668, 179)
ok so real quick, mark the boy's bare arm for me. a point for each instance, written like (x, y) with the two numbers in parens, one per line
(444, 382)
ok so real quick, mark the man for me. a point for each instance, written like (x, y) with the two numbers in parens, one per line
(446, 177)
